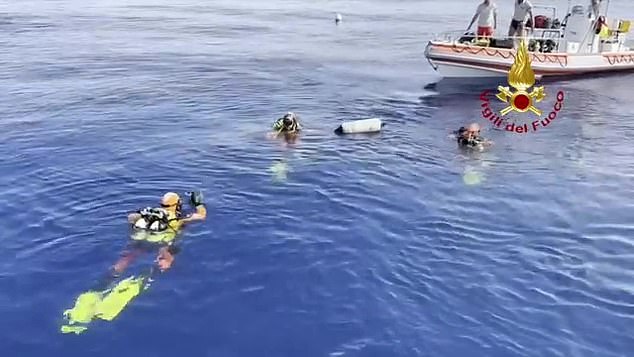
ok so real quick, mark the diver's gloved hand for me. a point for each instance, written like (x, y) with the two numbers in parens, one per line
(196, 198)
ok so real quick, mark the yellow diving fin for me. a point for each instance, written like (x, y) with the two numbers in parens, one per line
(113, 303)
(104, 305)
(83, 312)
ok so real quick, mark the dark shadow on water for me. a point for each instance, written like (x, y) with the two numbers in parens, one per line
(471, 86)
(625, 75)
(450, 92)
(463, 85)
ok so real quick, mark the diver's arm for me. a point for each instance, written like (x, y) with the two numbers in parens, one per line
(473, 20)
(133, 217)
(278, 125)
(277, 129)
(196, 199)
(482, 141)
(199, 215)
(530, 13)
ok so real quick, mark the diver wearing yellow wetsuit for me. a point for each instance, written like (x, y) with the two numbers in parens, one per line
(158, 227)
(153, 227)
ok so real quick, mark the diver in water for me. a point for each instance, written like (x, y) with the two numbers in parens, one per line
(157, 228)
(470, 137)
(288, 124)
(287, 127)
(153, 228)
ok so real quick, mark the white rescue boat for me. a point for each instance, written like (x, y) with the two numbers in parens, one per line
(582, 43)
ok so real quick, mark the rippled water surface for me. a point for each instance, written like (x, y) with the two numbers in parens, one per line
(369, 246)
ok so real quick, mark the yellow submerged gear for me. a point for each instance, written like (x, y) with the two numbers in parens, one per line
(105, 305)
(84, 309)
(113, 303)
(73, 329)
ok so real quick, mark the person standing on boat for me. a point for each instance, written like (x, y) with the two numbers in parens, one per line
(522, 8)
(487, 15)
(595, 7)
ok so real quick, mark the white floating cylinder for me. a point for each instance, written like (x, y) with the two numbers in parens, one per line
(360, 126)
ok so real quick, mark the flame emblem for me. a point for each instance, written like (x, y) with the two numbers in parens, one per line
(521, 77)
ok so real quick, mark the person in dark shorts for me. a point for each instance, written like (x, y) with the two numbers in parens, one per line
(522, 8)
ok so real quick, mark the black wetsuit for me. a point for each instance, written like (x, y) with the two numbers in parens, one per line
(471, 143)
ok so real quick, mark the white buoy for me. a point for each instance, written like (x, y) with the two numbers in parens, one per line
(360, 126)
(338, 18)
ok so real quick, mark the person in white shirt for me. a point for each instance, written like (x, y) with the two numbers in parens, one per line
(522, 8)
(595, 6)
(487, 15)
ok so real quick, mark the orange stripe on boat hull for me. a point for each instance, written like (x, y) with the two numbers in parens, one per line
(504, 68)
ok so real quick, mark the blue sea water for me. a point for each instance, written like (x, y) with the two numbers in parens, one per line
(369, 246)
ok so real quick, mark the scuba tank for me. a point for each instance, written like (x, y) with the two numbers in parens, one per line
(360, 126)
(153, 219)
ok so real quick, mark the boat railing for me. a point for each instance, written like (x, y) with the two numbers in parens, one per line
(448, 36)
(539, 40)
